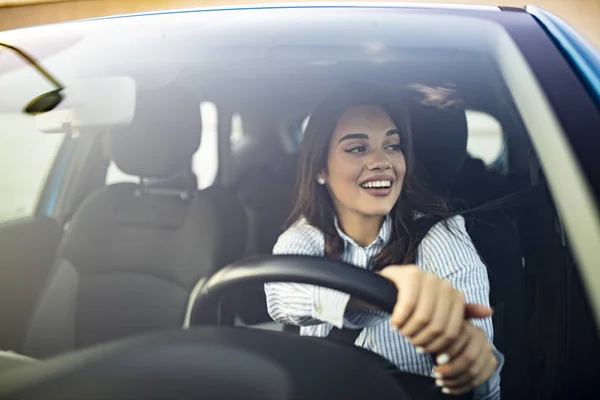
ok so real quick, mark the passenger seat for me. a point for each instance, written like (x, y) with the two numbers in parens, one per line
(133, 253)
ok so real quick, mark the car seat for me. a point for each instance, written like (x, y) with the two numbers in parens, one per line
(133, 253)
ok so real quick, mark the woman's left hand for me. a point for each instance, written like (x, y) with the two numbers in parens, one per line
(471, 362)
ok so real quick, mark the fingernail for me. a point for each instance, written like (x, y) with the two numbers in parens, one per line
(437, 375)
(439, 383)
(420, 350)
(446, 390)
(443, 359)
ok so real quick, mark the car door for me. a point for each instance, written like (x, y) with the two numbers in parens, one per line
(562, 113)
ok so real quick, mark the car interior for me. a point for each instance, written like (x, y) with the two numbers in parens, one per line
(128, 255)
(132, 253)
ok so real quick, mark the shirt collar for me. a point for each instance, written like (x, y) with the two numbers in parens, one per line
(383, 236)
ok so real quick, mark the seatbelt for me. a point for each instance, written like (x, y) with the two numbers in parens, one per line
(422, 225)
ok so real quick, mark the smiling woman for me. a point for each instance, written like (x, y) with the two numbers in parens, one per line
(358, 199)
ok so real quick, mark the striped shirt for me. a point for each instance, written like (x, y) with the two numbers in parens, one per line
(449, 254)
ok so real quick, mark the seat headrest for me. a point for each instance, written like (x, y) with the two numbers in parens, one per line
(163, 137)
(440, 135)
(261, 186)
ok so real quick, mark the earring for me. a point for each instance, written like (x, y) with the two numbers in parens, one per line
(321, 181)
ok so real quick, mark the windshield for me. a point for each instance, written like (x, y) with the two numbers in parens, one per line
(240, 86)
(231, 72)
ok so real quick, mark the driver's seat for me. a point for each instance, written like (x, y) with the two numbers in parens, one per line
(133, 252)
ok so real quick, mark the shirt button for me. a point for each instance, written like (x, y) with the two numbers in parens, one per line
(319, 310)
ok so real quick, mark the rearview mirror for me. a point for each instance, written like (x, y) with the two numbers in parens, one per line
(47, 101)
(44, 103)
(89, 103)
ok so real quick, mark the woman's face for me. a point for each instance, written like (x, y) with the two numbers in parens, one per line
(365, 166)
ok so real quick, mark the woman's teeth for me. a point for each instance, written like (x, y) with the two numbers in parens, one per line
(377, 185)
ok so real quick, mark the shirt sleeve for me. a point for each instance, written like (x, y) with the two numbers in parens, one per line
(302, 304)
(448, 252)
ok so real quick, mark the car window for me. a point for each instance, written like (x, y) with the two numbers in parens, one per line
(236, 138)
(205, 161)
(485, 140)
(26, 158)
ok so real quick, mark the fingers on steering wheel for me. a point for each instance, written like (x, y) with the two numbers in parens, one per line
(408, 295)
(420, 319)
(477, 374)
(468, 363)
(443, 329)
(469, 375)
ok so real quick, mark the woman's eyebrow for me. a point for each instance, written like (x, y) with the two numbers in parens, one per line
(351, 136)
(393, 132)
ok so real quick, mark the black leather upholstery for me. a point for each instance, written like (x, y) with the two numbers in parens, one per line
(133, 253)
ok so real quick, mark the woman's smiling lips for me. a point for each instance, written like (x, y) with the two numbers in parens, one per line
(378, 185)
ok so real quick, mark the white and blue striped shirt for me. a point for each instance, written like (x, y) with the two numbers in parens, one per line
(447, 254)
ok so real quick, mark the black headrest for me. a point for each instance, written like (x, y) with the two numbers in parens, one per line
(162, 138)
(440, 136)
(262, 187)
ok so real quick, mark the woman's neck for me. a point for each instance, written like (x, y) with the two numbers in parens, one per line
(362, 229)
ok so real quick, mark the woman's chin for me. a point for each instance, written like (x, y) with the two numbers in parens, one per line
(377, 212)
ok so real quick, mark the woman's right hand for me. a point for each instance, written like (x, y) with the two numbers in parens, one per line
(429, 312)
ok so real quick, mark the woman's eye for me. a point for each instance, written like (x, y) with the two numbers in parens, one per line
(356, 149)
(394, 147)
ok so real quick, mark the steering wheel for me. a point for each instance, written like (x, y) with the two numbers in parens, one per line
(319, 271)
(232, 363)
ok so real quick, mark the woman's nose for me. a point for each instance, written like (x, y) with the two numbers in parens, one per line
(379, 162)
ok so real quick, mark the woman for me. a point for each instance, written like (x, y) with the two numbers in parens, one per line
(358, 197)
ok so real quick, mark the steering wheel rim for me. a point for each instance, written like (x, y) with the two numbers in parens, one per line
(320, 271)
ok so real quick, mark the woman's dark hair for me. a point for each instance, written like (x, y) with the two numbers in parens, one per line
(314, 202)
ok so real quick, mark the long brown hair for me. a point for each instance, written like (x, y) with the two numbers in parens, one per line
(313, 201)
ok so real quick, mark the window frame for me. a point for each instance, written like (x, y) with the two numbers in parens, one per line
(48, 200)
(573, 181)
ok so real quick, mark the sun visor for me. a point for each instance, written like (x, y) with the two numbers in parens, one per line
(92, 103)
